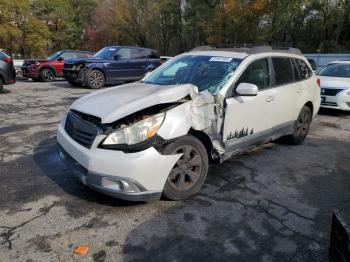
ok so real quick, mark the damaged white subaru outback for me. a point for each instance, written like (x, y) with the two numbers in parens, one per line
(156, 137)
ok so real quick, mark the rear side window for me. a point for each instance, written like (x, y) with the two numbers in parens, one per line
(138, 53)
(153, 54)
(69, 55)
(256, 73)
(283, 70)
(304, 69)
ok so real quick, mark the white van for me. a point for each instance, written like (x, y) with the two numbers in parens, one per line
(156, 137)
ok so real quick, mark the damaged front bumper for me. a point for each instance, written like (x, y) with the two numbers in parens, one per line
(139, 176)
(73, 75)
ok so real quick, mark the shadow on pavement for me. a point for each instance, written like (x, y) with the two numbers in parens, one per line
(274, 203)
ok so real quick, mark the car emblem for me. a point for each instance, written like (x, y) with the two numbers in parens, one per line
(323, 91)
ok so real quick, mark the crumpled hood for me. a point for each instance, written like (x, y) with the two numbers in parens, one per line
(335, 82)
(114, 103)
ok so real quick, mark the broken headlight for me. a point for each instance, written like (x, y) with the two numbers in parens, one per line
(137, 132)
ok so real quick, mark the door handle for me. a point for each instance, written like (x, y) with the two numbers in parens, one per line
(270, 99)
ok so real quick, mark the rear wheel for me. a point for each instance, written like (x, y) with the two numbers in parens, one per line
(301, 127)
(47, 75)
(188, 174)
(95, 79)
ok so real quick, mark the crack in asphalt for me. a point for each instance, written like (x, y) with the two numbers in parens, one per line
(12, 230)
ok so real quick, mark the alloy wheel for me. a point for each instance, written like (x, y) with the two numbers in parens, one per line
(187, 169)
(96, 79)
(48, 75)
(303, 123)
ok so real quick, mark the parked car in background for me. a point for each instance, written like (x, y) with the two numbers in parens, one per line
(18, 66)
(335, 85)
(156, 137)
(48, 69)
(111, 65)
(7, 71)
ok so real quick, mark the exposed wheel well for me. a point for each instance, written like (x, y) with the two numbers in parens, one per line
(311, 106)
(205, 139)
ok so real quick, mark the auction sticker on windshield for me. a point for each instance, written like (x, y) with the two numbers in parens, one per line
(221, 59)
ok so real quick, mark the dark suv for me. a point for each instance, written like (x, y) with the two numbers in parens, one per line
(47, 69)
(7, 71)
(111, 65)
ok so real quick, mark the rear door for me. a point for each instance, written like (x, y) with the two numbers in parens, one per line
(289, 88)
(119, 68)
(138, 62)
(250, 119)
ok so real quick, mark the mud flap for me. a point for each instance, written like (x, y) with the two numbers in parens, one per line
(339, 249)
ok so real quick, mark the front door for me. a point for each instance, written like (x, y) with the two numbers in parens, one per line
(250, 119)
(120, 67)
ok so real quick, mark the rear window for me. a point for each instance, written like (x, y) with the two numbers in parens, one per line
(283, 70)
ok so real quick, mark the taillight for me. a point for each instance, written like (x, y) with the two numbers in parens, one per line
(7, 60)
(318, 82)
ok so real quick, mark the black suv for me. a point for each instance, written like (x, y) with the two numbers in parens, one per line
(111, 65)
(7, 71)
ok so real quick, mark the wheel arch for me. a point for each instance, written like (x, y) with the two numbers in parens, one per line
(310, 105)
(206, 141)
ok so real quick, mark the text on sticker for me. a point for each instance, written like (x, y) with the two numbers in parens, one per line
(221, 59)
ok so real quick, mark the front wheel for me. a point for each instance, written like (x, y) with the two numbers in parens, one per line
(188, 174)
(302, 127)
(47, 75)
(95, 79)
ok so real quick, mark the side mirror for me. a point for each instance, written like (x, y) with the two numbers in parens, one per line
(61, 59)
(246, 89)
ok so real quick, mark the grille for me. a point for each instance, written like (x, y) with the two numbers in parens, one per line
(80, 130)
(330, 92)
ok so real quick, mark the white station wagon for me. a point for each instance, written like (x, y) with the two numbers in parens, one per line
(156, 137)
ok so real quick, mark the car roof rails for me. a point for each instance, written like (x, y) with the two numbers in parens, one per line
(247, 48)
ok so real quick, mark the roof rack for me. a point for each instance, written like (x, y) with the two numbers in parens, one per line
(249, 49)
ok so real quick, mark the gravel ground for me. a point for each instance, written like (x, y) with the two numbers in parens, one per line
(273, 203)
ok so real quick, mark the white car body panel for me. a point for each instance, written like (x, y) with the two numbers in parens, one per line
(198, 111)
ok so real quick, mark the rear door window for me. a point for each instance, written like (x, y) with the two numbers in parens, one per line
(69, 55)
(123, 53)
(283, 70)
(304, 69)
(297, 76)
(256, 73)
(138, 53)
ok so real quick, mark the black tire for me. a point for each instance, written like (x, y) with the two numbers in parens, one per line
(1, 85)
(189, 173)
(47, 75)
(95, 79)
(301, 128)
(36, 79)
(74, 83)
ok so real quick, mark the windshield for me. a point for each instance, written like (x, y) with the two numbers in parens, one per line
(336, 70)
(105, 53)
(206, 72)
(55, 56)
